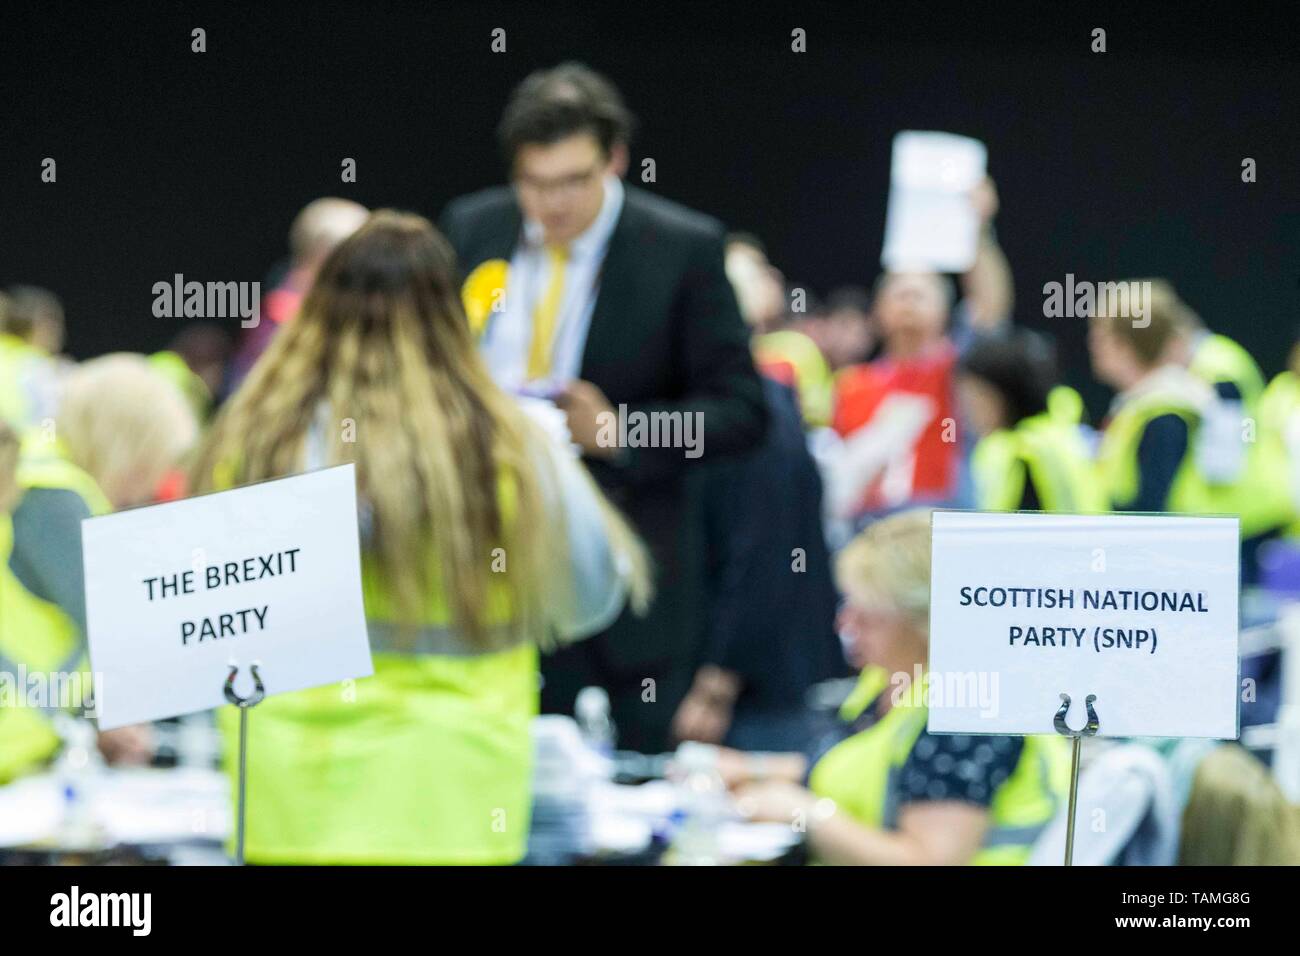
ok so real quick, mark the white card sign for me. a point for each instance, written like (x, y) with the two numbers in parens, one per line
(930, 221)
(268, 574)
(1140, 610)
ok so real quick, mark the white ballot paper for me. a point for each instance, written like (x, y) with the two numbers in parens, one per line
(177, 592)
(1140, 610)
(930, 222)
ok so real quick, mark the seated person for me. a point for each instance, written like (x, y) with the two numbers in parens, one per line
(120, 428)
(883, 790)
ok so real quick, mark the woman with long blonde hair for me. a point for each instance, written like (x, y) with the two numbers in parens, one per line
(482, 538)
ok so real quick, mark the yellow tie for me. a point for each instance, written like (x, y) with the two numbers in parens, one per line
(539, 353)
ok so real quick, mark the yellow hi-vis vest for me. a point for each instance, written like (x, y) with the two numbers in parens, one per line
(36, 637)
(1261, 494)
(1217, 358)
(1259, 497)
(1046, 450)
(861, 774)
(1117, 456)
(1279, 425)
(428, 761)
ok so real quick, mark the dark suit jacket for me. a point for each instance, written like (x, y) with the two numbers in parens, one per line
(665, 335)
(770, 622)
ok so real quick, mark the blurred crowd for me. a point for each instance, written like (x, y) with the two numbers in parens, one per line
(793, 555)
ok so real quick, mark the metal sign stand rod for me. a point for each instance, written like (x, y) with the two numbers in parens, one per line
(1076, 745)
(243, 703)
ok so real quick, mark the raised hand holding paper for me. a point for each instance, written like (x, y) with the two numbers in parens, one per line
(269, 573)
(1140, 610)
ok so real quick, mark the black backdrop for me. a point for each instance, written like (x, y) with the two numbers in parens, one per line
(1112, 165)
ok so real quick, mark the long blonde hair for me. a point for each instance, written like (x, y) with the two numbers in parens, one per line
(381, 339)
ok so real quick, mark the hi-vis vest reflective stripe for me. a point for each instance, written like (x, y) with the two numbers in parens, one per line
(1053, 456)
(861, 774)
(427, 761)
(1117, 456)
(36, 636)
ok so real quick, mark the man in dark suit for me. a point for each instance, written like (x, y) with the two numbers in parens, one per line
(615, 303)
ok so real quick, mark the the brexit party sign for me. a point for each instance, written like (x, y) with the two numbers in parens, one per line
(268, 574)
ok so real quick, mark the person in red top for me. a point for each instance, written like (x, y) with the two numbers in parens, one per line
(904, 399)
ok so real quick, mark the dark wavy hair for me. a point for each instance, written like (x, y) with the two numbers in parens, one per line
(551, 105)
(1021, 366)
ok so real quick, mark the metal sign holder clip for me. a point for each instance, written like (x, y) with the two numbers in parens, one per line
(1076, 741)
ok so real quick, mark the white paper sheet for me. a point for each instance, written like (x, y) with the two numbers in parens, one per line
(930, 222)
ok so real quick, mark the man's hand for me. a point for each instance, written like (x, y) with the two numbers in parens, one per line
(589, 415)
(705, 712)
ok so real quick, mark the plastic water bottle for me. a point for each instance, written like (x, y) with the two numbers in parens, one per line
(703, 799)
(75, 769)
(591, 709)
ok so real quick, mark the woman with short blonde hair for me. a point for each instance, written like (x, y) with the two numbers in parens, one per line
(121, 427)
(125, 425)
(879, 789)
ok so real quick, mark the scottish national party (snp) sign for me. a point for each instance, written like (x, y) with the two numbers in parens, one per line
(1140, 610)
(266, 574)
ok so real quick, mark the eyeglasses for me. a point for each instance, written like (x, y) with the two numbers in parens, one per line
(566, 186)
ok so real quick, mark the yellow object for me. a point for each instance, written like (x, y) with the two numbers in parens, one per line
(484, 292)
(812, 375)
(1050, 453)
(34, 633)
(428, 761)
(1217, 358)
(1065, 405)
(1260, 497)
(177, 371)
(1117, 456)
(859, 774)
(1279, 418)
(544, 316)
